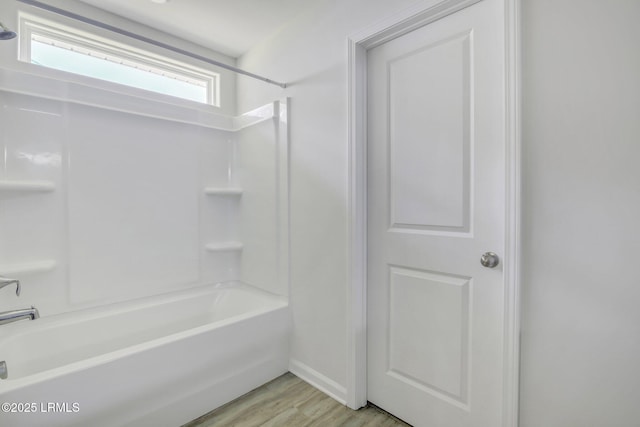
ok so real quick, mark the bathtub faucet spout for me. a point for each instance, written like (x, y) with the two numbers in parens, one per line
(15, 315)
(5, 281)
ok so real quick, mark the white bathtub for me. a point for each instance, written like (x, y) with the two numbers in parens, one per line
(161, 361)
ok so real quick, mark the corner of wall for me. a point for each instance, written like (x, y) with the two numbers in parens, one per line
(318, 380)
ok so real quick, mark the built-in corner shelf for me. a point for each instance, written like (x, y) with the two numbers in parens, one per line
(26, 186)
(223, 191)
(18, 269)
(224, 246)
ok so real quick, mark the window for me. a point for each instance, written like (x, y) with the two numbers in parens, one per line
(52, 45)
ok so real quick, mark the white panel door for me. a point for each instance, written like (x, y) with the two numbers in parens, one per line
(436, 204)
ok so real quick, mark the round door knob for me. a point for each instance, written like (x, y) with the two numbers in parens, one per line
(489, 260)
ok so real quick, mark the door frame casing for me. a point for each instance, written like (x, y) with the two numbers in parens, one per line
(420, 14)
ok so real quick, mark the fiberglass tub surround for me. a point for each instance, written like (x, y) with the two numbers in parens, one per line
(132, 201)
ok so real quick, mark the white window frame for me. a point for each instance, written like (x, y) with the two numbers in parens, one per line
(31, 26)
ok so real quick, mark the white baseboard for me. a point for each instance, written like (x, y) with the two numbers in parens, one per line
(319, 381)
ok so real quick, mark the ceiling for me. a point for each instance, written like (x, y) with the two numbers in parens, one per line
(228, 26)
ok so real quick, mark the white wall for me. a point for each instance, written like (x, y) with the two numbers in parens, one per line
(581, 199)
(581, 325)
(311, 55)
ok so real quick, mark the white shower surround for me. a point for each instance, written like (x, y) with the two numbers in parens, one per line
(160, 230)
(95, 183)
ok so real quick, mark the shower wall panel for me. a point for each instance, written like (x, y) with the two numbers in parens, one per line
(98, 206)
(259, 212)
(133, 187)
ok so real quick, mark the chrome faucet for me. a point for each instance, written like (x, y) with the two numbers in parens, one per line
(15, 315)
(5, 281)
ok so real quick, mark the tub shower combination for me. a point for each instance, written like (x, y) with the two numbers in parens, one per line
(177, 301)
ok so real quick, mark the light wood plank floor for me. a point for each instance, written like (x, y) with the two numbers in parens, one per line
(288, 401)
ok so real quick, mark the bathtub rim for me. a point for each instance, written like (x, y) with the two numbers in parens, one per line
(111, 307)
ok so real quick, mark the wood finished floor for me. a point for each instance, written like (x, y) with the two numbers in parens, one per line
(288, 401)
